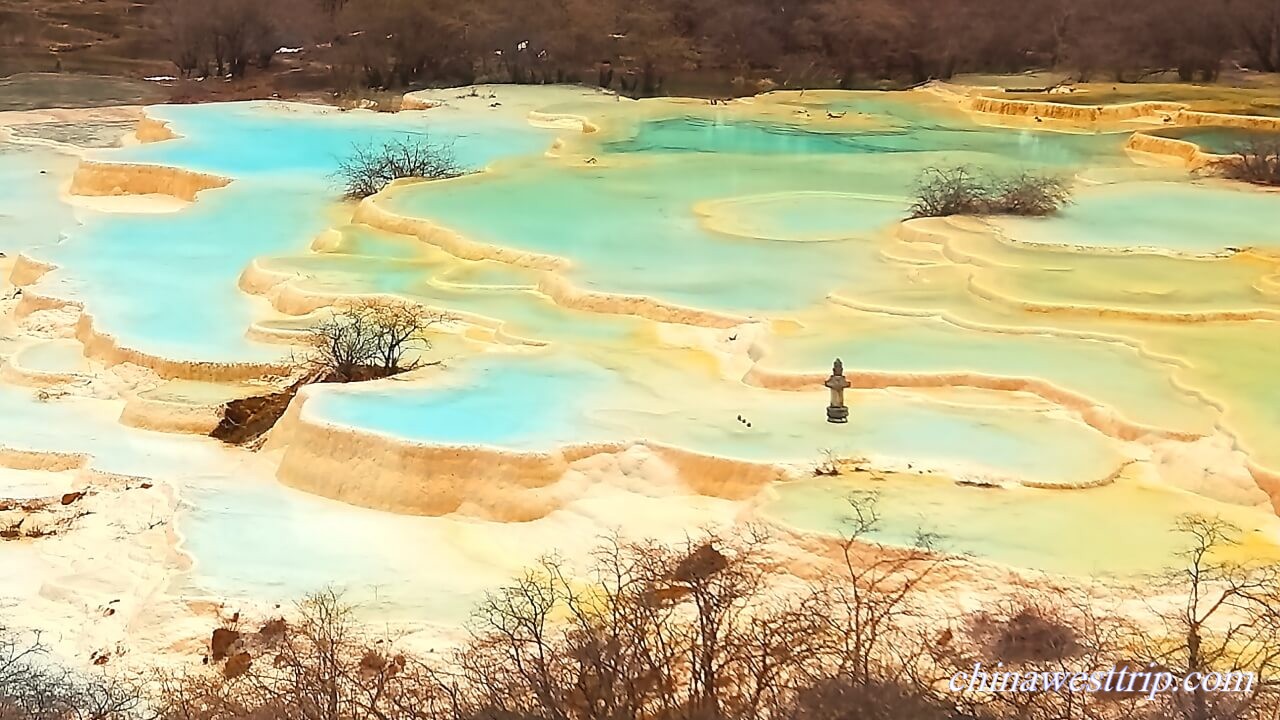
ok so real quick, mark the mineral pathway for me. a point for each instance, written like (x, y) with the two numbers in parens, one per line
(644, 299)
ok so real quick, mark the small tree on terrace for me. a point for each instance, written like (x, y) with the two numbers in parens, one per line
(371, 338)
(1256, 162)
(961, 190)
(948, 191)
(371, 167)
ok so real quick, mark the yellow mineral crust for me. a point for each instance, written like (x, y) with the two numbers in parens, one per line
(104, 178)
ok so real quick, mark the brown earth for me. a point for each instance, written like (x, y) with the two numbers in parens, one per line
(102, 49)
(247, 419)
(117, 41)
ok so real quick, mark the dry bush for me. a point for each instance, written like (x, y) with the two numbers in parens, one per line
(34, 688)
(369, 339)
(710, 629)
(656, 631)
(1032, 635)
(705, 630)
(319, 666)
(1228, 621)
(369, 168)
(1255, 162)
(949, 191)
(1028, 194)
(960, 190)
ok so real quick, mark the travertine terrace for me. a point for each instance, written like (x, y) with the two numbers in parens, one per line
(644, 300)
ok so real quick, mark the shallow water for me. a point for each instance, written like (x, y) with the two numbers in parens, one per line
(1075, 533)
(546, 402)
(788, 219)
(1164, 216)
(56, 356)
(180, 269)
(913, 130)
(31, 216)
(1219, 140)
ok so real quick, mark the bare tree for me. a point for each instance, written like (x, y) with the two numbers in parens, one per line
(1228, 621)
(961, 190)
(369, 168)
(1255, 162)
(371, 338)
(1258, 22)
(33, 687)
(225, 37)
(318, 666)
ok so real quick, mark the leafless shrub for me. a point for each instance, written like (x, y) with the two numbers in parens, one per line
(710, 629)
(683, 632)
(696, 631)
(941, 192)
(370, 338)
(1028, 194)
(36, 531)
(948, 191)
(829, 465)
(318, 666)
(12, 529)
(1229, 621)
(371, 167)
(32, 687)
(1255, 162)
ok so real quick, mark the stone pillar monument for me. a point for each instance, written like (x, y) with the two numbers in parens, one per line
(836, 411)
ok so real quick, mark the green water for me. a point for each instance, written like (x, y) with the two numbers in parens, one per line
(782, 221)
(1075, 533)
(1219, 140)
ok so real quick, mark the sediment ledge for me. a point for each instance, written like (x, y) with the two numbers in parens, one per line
(170, 417)
(560, 290)
(46, 460)
(1161, 316)
(150, 130)
(565, 294)
(96, 178)
(1268, 480)
(370, 212)
(104, 348)
(380, 472)
(939, 231)
(1171, 113)
(1248, 122)
(17, 370)
(1188, 152)
(1105, 420)
(27, 270)
(1068, 112)
(565, 121)
(285, 296)
(393, 474)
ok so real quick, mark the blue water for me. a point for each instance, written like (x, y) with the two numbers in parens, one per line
(181, 268)
(1172, 216)
(500, 402)
(31, 215)
(910, 130)
(295, 144)
(547, 401)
